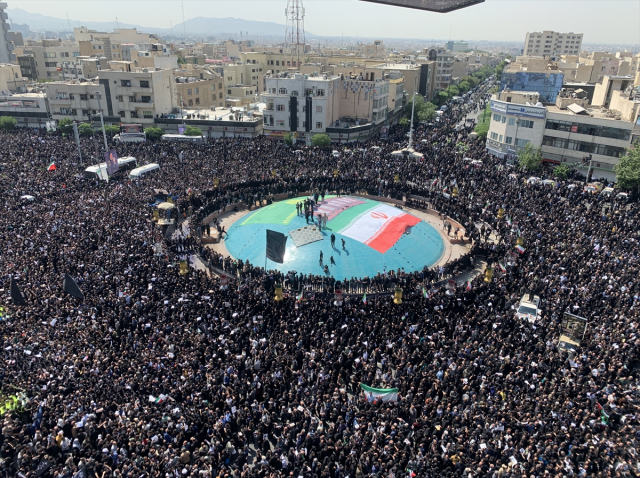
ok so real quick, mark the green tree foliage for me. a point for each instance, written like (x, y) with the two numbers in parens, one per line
(403, 121)
(192, 131)
(484, 120)
(628, 168)
(452, 91)
(499, 69)
(7, 123)
(464, 87)
(288, 139)
(442, 98)
(321, 140)
(111, 130)
(530, 157)
(153, 132)
(561, 172)
(424, 111)
(66, 125)
(85, 129)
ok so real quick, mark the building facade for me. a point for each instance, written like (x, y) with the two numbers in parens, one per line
(29, 109)
(199, 93)
(552, 44)
(300, 103)
(49, 55)
(566, 134)
(547, 83)
(6, 46)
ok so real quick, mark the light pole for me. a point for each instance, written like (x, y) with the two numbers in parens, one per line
(104, 134)
(413, 107)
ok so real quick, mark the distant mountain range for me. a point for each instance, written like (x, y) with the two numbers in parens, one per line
(193, 26)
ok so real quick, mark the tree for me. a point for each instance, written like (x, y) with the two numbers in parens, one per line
(561, 172)
(181, 61)
(442, 98)
(423, 112)
(111, 130)
(66, 125)
(192, 131)
(464, 87)
(452, 91)
(85, 129)
(530, 157)
(628, 168)
(482, 129)
(7, 123)
(288, 139)
(321, 140)
(403, 121)
(153, 132)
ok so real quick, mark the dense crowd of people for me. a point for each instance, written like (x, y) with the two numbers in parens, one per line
(160, 374)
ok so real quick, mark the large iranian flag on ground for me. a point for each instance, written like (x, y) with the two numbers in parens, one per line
(379, 227)
(379, 394)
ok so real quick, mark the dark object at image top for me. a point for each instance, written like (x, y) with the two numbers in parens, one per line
(440, 6)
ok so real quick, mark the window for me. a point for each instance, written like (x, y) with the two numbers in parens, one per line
(49, 55)
(508, 139)
(500, 139)
(121, 114)
(190, 102)
(219, 95)
(196, 91)
(319, 125)
(279, 107)
(219, 86)
(84, 97)
(189, 92)
(521, 143)
(504, 119)
(494, 136)
(85, 112)
(320, 93)
(282, 91)
(213, 97)
(318, 109)
(197, 101)
(68, 111)
(294, 93)
(308, 92)
(119, 98)
(512, 121)
(213, 87)
(144, 84)
(277, 62)
(125, 83)
(76, 53)
(496, 117)
(134, 114)
(228, 92)
(526, 124)
(147, 114)
(50, 64)
(132, 99)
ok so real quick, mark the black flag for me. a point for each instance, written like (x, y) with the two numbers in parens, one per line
(276, 245)
(43, 466)
(16, 295)
(71, 288)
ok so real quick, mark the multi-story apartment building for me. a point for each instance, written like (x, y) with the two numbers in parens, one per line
(444, 66)
(373, 50)
(6, 46)
(78, 100)
(566, 132)
(552, 44)
(11, 80)
(533, 75)
(29, 109)
(240, 95)
(300, 103)
(27, 65)
(199, 93)
(363, 101)
(82, 68)
(248, 74)
(457, 46)
(48, 56)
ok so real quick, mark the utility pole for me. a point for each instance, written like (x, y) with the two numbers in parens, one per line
(104, 134)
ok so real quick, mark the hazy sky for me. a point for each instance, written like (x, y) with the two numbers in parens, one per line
(601, 21)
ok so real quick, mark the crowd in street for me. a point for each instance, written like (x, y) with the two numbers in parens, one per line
(160, 374)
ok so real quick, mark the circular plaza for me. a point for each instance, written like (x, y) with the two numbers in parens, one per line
(370, 237)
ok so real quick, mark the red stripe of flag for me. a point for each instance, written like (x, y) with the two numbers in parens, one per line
(391, 231)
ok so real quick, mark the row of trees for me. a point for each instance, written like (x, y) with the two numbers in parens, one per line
(320, 140)
(153, 132)
(627, 170)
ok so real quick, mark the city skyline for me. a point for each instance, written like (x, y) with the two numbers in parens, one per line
(600, 23)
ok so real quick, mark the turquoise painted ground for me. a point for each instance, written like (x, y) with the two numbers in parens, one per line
(247, 240)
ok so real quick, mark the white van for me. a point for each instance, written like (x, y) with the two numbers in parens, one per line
(124, 164)
(142, 171)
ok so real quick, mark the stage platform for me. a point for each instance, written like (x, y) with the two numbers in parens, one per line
(377, 236)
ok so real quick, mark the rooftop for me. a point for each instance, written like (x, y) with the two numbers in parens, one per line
(591, 111)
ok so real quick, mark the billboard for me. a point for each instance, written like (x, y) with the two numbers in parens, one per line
(131, 128)
(111, 158)
(572, 330)
(518, 110)
(441, 6)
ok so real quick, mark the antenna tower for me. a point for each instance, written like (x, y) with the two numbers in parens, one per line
(295, 28)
